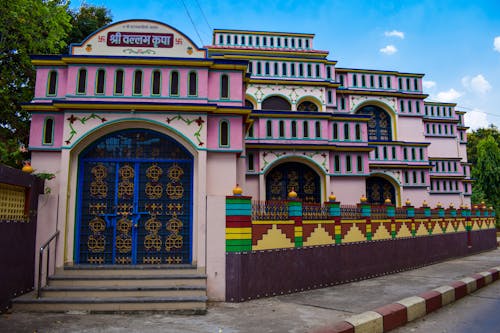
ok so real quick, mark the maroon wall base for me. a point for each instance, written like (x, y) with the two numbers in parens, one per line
(17, 241)
(258, 274)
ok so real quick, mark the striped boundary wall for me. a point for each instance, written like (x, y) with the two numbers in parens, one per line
(391, 316)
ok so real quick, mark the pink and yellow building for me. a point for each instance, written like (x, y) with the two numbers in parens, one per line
(147, 133)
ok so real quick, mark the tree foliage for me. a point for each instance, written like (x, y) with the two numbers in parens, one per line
(29, 27)
(474, 137)
(486, 169)
(26, 27)
(85, 21)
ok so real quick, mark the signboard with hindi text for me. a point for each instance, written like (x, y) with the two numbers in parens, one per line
(139, 38)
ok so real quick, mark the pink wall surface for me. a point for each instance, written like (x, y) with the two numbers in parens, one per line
(236, 133)
(36, 130)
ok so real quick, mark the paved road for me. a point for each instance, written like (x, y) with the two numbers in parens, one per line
(295, 313)
(479, 312)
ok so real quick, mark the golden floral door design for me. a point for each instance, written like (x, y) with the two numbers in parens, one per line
(134, 200)
(293, 176)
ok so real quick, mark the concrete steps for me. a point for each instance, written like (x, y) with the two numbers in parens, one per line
(120, 289)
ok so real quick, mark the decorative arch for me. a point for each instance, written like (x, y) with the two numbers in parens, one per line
(381, 186)
(120, 45)
(295, 176)
(276, 102)
(366, 107)
(130, 182)
(250, 101)
(314, 185)
(380, 126)
(305, 103)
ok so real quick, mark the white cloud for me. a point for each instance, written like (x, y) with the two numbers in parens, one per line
(476, 119)
(448, 96)
(478, 84)
(395, 33)
(389, 49)
(496, 44)
(428, 84)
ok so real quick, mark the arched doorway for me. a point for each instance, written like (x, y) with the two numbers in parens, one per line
(378, 189)
(379, 126)
(293, 175)
(134, 200)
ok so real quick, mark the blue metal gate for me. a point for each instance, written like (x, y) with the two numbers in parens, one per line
(134, 200)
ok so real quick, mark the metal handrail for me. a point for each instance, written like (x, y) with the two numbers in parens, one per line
(46, 245)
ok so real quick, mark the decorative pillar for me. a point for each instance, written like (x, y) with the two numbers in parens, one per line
(410, 214)
(295, 214)
(238, 222)
(366, 212)
(427, 214)
(391, 214)
(334, 214)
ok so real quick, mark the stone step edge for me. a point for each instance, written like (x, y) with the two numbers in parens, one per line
(127, 277)
(93, 300)
(399, 313)
(122, 288)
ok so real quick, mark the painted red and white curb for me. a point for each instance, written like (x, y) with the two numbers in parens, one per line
(391, 316)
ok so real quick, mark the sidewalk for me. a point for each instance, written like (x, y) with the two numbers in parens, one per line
(299, 312)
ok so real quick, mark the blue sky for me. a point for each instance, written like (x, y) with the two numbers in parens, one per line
(451, 41)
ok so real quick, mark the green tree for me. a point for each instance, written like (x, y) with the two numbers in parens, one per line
(26, 27)
(86, 20)
(29, 27)
(474, 137)
(487, 171)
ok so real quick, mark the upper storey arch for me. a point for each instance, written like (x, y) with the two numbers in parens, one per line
(382, 124)
(276, 102)
(308, 103)
(144, 38)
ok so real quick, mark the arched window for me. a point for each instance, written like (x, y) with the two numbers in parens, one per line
(357, 130)
(156, 83)
(283, 69)
(328, 72)
(100, 79)
(307, 106)
(119, 75)
(354, 80)
(294, 129)
(301, 70)
(52, 89)
(335, 131)
(281, 129)
(346, 131)
(224, 86)
(276, 66)
(317, 129)
(174, 83)
(82, 81)
(276, 103)
(267, 68)
(193, 84)
(259, 68)
(224, 133)
(359, 164)
(138, 82)
(48, 131)
(379, 126)
(305, 129)
(269, 129)
(250, 131)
